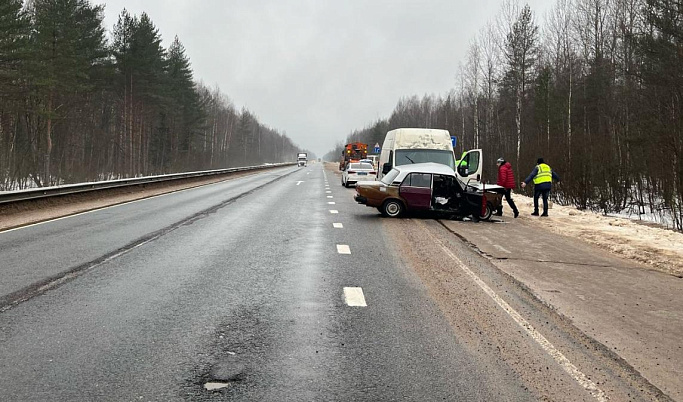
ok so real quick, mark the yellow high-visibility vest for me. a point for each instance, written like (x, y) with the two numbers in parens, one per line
(544, 175)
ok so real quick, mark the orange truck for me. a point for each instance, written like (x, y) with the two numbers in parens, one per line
(353, 152)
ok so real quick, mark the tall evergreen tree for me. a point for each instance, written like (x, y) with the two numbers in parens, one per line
(15, 28)
(185, 111)
(68, 43)
(141, 67)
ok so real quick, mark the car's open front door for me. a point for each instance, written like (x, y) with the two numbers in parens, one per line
(416, 190)
(470, 167)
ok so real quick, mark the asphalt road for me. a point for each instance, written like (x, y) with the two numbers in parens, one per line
(248, 285)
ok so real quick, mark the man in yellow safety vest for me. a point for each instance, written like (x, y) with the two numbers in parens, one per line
(543, 176)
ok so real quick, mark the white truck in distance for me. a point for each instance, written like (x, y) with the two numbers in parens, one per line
(302, 159)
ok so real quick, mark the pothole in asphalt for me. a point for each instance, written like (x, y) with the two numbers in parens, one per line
(212, 386)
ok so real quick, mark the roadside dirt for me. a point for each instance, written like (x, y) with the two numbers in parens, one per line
(655, 246)
(25, 213)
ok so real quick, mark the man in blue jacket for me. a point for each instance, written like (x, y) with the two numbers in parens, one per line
(543, 176)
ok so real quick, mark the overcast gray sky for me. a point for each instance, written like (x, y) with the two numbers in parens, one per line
(319, 69)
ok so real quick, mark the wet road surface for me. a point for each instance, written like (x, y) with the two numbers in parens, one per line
(278, 287)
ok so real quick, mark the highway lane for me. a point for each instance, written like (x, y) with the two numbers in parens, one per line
(250, 295)
(252, 292)
(40, 253)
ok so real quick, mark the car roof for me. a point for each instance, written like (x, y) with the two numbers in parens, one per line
(428, 167)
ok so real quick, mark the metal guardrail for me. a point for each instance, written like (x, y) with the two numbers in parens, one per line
(44, 192)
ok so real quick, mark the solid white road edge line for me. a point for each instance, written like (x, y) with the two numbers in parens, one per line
(353, 297)
(337, 226)
(343, 249)
(566, 365)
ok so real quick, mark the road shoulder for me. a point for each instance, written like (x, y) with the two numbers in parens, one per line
(630, 308)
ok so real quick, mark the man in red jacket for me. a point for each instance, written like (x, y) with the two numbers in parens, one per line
(506, 179)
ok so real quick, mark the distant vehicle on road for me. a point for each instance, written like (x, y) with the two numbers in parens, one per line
(353, 152)
(426, 187)
(302, 159)
(358, 172)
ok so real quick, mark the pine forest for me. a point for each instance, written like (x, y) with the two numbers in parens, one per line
(78, 103)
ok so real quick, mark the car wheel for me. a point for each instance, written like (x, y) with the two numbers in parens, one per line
(342, 180)
(489, 212)
(392, 208)
(346, 184)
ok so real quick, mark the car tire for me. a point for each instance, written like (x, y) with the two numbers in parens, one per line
(489, 212)
(392, 208)
(342, 181)
(346, 184)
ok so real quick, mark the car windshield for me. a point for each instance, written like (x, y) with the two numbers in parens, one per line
(360, 166)
(389, 177)
(408, 156)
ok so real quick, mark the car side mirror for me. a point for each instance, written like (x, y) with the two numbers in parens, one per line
(386, 168)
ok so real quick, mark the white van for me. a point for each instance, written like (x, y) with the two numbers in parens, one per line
(404, 146)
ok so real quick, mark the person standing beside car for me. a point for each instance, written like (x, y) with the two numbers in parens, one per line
(543, 176)
(506, 179)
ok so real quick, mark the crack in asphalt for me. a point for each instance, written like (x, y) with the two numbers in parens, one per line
(15, 298)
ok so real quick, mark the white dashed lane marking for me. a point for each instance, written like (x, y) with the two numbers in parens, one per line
(329, 196)
(343, 249)
(337, 225)
(334, 211)
(331, 202)
(328, 192)
(354, 297)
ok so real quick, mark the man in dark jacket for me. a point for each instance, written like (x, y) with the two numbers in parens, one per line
(543, 176)
(506, 179)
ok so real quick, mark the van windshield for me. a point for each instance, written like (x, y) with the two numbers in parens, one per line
(408, 156)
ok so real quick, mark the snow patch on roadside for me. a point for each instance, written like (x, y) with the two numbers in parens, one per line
(656, 246)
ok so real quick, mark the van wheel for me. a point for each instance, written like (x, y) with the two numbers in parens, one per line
(392, 208)
(489, 212)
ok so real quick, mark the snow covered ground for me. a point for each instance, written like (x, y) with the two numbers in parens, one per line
(651, 244)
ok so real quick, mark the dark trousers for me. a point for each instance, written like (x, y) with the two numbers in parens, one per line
(541, 192)
(508, 198)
